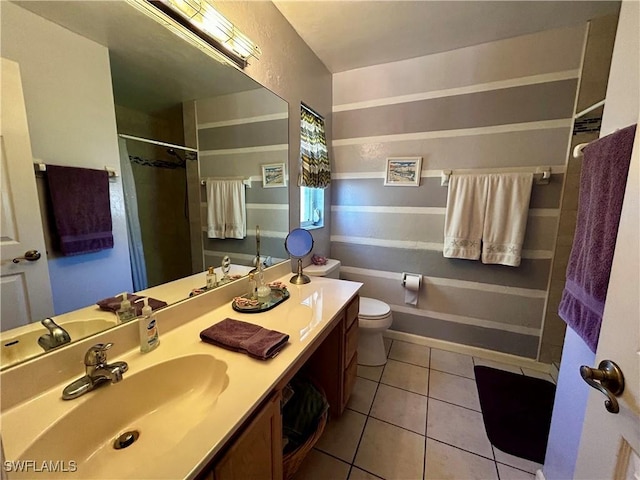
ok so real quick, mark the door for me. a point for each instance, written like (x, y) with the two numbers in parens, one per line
(610, 443)
(25, 287)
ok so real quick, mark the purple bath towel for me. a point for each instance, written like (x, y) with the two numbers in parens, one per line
(605, 167)
(112, 304)
(81, 208)
(246, 337)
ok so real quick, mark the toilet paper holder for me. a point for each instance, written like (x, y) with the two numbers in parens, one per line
(405, 275)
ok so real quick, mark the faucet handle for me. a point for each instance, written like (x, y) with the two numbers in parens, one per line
(97, 354)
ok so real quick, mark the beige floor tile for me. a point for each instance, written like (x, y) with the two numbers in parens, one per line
(404, 409)
(370, 373)
(404, 375)
(454, 389)
(390, 452)
(444, 462)
(452, 362)
(497, 365)
(410, 353)
(536, 374)
(458, 426)
(362, 395)
(320, 466)
(342, 435)
(357, 474)
(517, 462)
(510, 473)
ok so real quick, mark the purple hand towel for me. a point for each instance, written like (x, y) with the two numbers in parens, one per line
(246, 337)
(81, 209)
(605, 167)
(112, 304)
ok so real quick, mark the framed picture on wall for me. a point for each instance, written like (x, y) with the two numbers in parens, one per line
(274, 175)
(403, 171)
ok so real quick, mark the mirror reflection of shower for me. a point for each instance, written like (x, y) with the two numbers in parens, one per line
(182, 163)
(156, 189)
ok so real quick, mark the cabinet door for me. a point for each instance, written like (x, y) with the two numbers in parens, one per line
(257, 453)
(352, 311)
(351, 343)
(350, 374)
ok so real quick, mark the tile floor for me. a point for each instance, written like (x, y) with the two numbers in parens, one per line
(418, 417)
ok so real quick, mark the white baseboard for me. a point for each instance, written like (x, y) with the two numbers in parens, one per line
(539, 475)
(469, 350)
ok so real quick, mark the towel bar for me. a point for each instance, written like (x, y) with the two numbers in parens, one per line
(541, 177)
(245, 181)
(42, 168)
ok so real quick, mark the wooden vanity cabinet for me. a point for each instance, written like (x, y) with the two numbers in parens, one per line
(334, 364)
(256, 452)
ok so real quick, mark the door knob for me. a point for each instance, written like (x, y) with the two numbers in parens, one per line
(608, 379)
(31, 255)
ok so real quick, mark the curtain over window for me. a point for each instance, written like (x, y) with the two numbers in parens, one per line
(316, 170)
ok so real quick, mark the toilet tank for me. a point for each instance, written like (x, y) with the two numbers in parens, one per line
(330, 270)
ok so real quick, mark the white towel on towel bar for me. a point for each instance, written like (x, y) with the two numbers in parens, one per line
(505, 221)
(226, 209)
(466, 200)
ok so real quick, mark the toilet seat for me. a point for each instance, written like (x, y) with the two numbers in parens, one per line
(372, 309)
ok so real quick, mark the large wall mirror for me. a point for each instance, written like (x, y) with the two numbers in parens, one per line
(106, 86)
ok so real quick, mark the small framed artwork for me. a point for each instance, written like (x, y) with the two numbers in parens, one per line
(403, 171)
(273, 175)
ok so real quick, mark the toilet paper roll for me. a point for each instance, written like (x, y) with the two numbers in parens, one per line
(412, 289)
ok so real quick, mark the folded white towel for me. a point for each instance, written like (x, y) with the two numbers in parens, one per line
(505, 221)
(226, 209)
(466, 200)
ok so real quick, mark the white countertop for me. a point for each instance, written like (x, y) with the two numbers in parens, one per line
(304, 316)
(87, 321)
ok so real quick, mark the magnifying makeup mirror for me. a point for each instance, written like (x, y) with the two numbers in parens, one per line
(299, 243)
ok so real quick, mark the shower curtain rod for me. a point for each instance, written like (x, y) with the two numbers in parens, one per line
(590, 109)
(156, 142)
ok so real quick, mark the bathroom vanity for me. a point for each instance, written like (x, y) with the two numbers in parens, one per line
(331, 360)
(201, 411)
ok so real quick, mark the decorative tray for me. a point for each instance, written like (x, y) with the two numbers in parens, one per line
(278, 295)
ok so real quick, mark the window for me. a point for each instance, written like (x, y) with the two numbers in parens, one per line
(311, 208)
(315, 170)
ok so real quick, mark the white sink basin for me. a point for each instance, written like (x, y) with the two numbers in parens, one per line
(163, 403)
(16, 348)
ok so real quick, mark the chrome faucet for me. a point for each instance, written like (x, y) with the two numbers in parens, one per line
(98, 372)
(56, 337)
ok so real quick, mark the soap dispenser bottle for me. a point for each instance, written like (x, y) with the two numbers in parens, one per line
(148, 329)
(211, 278)
(126, 312)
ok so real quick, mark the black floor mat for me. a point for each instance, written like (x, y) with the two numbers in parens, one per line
(516, 410)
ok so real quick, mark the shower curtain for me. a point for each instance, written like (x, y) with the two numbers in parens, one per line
(134, 235)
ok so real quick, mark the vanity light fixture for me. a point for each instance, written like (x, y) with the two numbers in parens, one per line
(200, 23)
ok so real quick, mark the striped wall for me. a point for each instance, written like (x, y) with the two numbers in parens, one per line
(501, 106)
(237, 134)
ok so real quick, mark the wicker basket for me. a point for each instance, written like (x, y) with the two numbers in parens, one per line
(291, 461)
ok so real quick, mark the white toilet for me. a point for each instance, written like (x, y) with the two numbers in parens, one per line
(374, 318)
